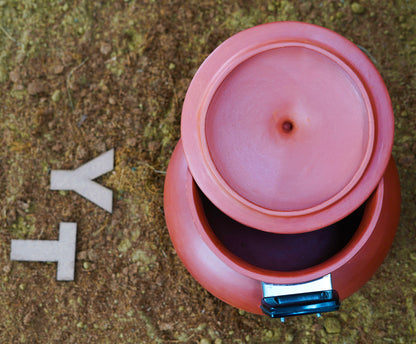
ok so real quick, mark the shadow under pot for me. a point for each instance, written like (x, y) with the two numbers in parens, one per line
(238, 264)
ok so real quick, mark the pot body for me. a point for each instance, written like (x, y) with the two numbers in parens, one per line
(237, 279)
(283, 177)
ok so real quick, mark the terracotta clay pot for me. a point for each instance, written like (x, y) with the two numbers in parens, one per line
(282, 196)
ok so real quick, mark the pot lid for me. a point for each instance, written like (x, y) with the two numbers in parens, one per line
(287, 127)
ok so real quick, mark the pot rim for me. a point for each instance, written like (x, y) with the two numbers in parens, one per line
(362, 234)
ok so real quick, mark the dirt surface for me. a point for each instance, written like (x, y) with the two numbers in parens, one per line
(80, 77)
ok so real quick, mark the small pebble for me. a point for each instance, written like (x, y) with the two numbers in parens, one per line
(131, 141)
(166, 326)
(269, 334)
(332, 325)
(289, 337)
(28, 317)
(357, 8)
(14, 76)
(105, 48)
(92, 255)
(82, 255)
(56, 96)
(35, 87)
(57, 69)
(201, 327)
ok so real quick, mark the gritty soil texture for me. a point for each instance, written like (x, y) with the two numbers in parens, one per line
(78, 78)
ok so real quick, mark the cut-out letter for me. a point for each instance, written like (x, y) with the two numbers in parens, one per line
(81, 180)
(61, 251)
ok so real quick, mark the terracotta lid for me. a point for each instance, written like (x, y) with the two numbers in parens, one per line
(287, 127)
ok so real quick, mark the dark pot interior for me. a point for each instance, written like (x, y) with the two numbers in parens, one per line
(281, 252)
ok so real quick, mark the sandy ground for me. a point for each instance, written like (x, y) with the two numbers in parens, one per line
(80, 77)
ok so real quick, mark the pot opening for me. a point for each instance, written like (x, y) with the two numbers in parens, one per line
(280, 252)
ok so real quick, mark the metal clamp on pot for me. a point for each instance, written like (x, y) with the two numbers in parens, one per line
(317, 296)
